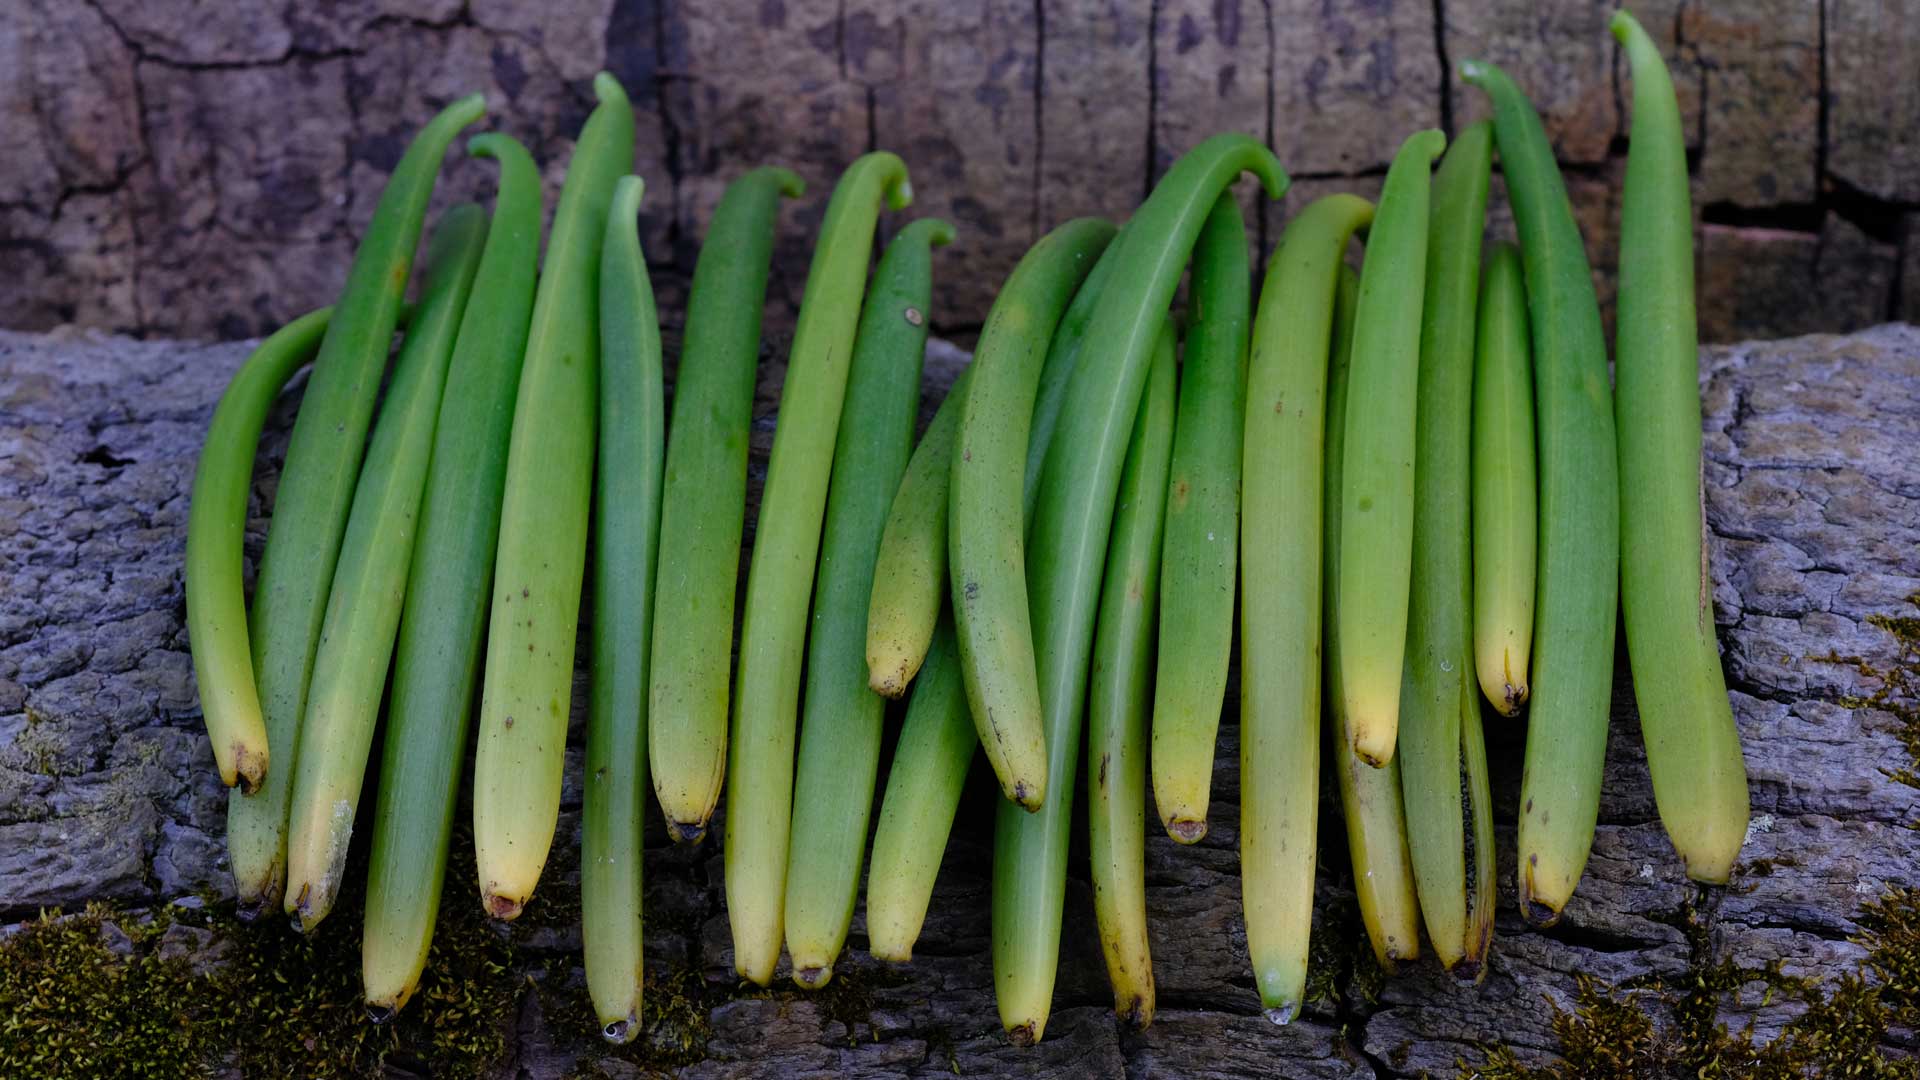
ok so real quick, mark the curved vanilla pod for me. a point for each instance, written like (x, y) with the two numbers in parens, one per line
(1577, 598)
(370, 580)
(839, 756)
(626, 535)
(1505, 511)
(924, 783)
(704, 505)
(1202, 527)
(910, 569)
(1693, 747)
(316, 488)
(766, 700)
(1283, 474)
(1117, 700)
(1068, 554)
(1377, 484)
(1063, 359)
(216, 532)
(436, 660)
(541, 557)
(986, 550)
(937, 738)
(910, 579)
(1369, 797)
(1449, 825)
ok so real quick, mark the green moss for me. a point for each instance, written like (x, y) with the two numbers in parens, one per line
(73, 1005)
(96, 994)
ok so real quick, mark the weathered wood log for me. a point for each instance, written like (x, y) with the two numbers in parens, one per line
(108, 792)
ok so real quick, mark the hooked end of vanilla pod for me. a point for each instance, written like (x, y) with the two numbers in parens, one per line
(1622, 24)
(1024, 1034)
(1281, 1015)
(1136, 1012)
(787, 180)
(939, 233)
(608, 89)
(380, 1013)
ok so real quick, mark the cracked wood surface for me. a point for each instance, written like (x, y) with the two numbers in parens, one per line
(177, 175)
(107, 789)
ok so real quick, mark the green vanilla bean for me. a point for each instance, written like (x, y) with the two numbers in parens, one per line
(937, 739)
(436, 663)
(1369, 797)
(839, 755)
(1068, 554)
(929, 771)
(1377, 484)
(370, 580)
(316, 489)
(1202, 528)
(910, 580)
(1117, 700)
(1448, 823)
(1280, 583)
(527, 691)
(705, 503)
(986, 548)
(1666, 592)
(910, 570)
(216, 532)
(1063, 359)
(1505, 516)
(626, 533)
(766, 700)
(1578, 590)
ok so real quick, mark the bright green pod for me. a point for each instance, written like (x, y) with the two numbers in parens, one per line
(1063, 359)
(626, 534)
(436, 662)
(1202, 527)
(910, 569)
(527, 691)
(928, 773)
(1068, 553)
(937, 738)
(1117, 699)
(1287, 430)
(910, 579)
(766, 700)
(316, 489)
(839, 755)
(1505, 519)
(986, 549)
(216, 532)
(1377, 485)
(1666, 591)
(1369, 797)
(1578, 584)
(370, 580)
(704, 506)
(1438, 688)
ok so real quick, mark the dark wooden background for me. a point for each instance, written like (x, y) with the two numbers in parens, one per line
(189, 169)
